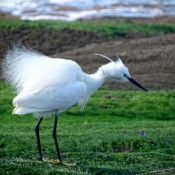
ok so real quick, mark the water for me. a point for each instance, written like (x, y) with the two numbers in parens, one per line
(71, 10)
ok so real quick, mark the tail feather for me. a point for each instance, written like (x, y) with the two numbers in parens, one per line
(36, 112)
(22, 110)
(19, 59)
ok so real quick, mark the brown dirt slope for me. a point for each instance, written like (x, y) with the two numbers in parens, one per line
(150, 59)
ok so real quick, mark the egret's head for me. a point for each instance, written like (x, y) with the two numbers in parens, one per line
(118, 71)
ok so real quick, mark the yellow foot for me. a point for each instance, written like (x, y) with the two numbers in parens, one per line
(57, 162)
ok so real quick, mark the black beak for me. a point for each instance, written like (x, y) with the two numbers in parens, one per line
(136, 83)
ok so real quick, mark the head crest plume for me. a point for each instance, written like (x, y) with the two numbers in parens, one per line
(119, 60)
(104, 57)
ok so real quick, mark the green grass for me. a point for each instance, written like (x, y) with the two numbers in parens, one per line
(132, 132)
(110, 29)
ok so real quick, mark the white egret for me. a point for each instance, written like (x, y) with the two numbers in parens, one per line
(47, 86)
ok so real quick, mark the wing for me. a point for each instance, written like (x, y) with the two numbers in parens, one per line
(29, 69)
(50, 100)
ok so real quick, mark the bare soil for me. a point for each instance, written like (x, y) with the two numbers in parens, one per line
(150, 59)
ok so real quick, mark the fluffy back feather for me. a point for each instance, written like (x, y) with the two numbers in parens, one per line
(15, 63)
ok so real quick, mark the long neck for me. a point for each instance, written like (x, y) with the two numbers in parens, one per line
(93, 82)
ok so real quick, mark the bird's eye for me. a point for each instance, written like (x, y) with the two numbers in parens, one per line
(126, 76)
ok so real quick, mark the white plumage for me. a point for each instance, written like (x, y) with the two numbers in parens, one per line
(47, 86)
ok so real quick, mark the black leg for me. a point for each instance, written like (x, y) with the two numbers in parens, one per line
(38, 138)
(55, 137)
